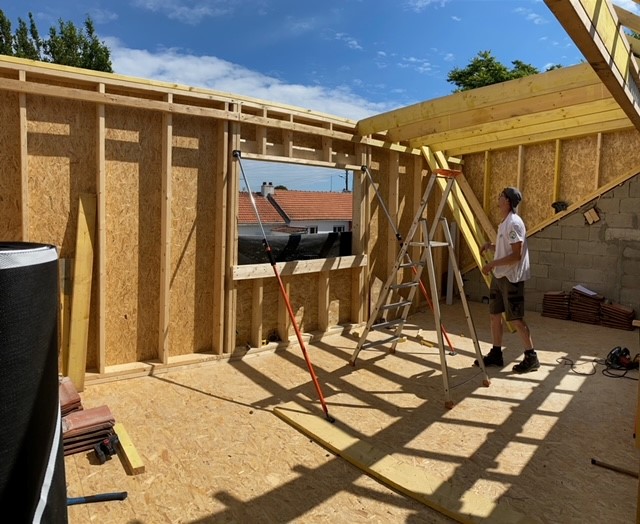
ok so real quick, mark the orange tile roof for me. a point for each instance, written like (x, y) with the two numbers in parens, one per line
(314, 205)
(268, 213)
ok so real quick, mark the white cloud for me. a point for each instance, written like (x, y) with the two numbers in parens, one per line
(174, 66)
(531, 16)
(187, 11)
(421, 5)
(351, 42)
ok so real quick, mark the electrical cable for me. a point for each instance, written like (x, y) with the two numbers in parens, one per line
(608, 369)
(236, 154)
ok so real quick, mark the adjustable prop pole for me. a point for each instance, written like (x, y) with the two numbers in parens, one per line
(365, 170)
(272, 261)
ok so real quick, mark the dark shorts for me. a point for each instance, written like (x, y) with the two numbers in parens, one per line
(506, 297)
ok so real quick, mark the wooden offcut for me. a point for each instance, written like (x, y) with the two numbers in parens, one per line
(127, 451)
(81, 298)
(437, 493)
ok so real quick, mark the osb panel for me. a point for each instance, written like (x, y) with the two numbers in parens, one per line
(578, 167)
(303, 296)
(308, 141)
(340, 296)
(538, 180)
(244, 303)
(473, 170)
(61, 141)
(214, 451)
(378, 221)
(133, 195)
(503, 172)
(192, 236)
(10, 196)
(270, 296)
(620, 155)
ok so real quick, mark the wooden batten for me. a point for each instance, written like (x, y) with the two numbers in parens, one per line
(165, 236)
(101, 234)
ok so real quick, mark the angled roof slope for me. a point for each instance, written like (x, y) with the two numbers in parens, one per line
(313, 205)
(566, 102)
(247, 215)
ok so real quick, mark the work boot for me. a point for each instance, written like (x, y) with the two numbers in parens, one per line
(529, 362)
(494, 358)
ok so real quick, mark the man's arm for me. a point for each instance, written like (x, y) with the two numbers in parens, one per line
(512, 258)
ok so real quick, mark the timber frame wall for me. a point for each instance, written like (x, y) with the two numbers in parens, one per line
(157, 160)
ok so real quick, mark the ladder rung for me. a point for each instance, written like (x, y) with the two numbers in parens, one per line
(390, 323)
(403, 285)
(422, 244)
(380, 342)
(409, 264)
(438, 244)
(397, 304)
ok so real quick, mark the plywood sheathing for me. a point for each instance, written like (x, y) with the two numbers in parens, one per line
(194, 213)
(10, 182)
(133, 188)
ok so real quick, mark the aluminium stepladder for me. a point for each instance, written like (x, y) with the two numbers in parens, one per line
(395, 299)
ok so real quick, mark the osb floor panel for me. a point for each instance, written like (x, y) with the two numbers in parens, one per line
(214, 451)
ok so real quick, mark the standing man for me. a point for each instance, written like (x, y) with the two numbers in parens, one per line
(510, 268)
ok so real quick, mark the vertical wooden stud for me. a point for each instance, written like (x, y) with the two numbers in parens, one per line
(101, 213)
(165, 235)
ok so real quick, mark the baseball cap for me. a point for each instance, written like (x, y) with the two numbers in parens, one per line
(513, 195)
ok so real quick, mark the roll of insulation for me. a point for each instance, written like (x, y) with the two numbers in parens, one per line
(32, 478)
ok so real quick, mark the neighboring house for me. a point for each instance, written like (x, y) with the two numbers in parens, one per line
(285, 212)
(248, 223)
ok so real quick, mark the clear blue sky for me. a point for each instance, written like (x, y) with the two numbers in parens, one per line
(350, 58)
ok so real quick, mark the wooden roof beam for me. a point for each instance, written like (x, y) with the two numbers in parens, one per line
(567, 119)
(595, 29)
(572, 77)
(523, 110)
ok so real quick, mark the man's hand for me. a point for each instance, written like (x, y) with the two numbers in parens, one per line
(486, 269)
(487, 246)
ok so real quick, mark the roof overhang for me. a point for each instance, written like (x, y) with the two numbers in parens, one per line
(596, 27)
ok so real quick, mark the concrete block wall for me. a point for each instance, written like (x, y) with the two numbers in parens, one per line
(603, 256)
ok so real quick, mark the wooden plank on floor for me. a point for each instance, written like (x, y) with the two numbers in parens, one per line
(127, 451)
(416, 482)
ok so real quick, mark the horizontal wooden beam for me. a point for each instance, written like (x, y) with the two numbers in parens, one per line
(298, 267)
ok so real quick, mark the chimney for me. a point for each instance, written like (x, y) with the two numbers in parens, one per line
(267, 189)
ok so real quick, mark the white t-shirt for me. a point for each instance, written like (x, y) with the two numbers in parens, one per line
(510, 231)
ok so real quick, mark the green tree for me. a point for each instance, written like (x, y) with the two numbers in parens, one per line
(66, 45)
(6, 38)
(485, 70)
(27, 42)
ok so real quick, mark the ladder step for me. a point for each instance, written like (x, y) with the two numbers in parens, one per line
(390, 323)
(409, 264)
(396, 305)
(403, 285)
(380, 342)
(438, 244)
